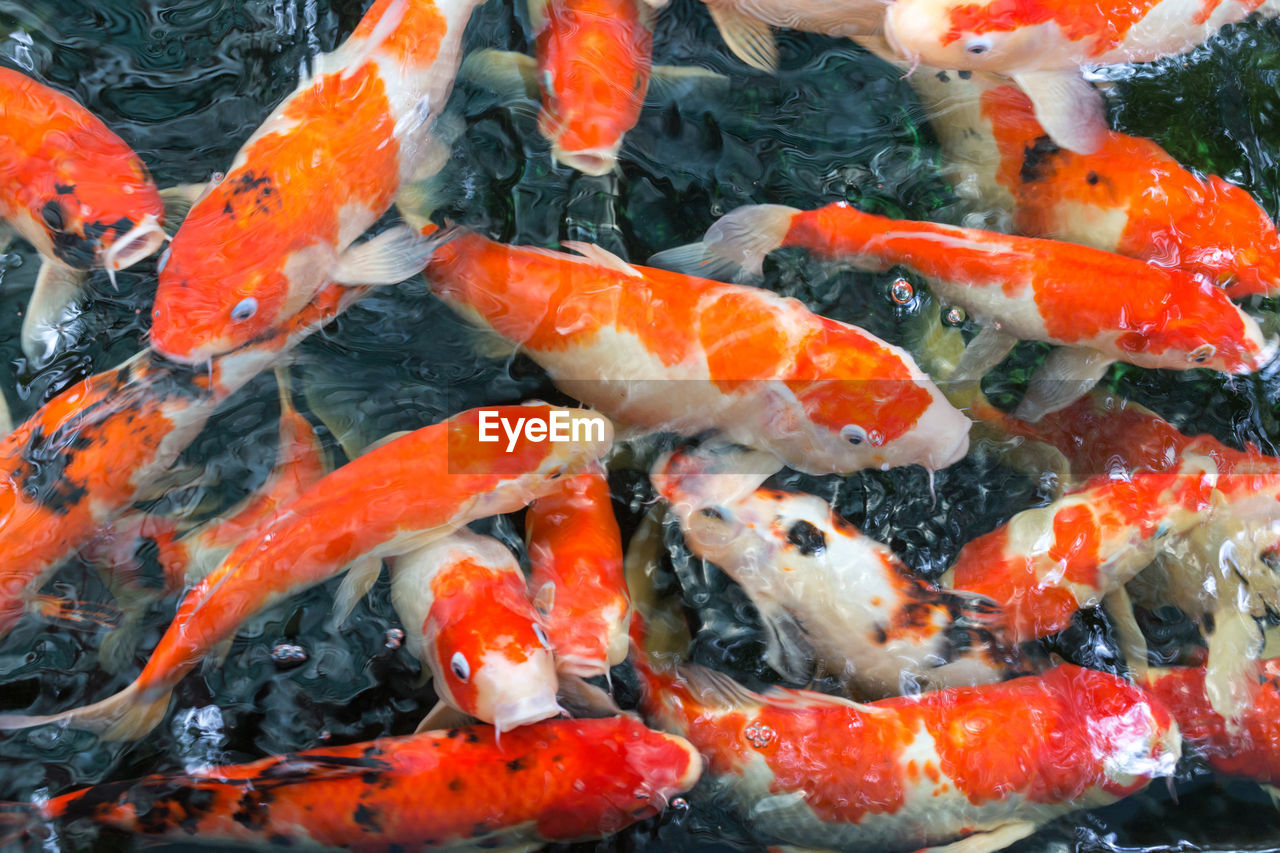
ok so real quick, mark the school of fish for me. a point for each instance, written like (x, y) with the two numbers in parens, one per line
(914, 713)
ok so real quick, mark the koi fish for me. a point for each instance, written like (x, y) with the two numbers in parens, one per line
(746, 25)
(825, 591)
(75, 191)
(412, 491)
(1019, 288)
(1043, 46)
(663, 351)
(185, 557)
(575, 551)
(557, 781)
(1046, 563)
(987, 763)
(358, 128)
(467, 617)
(1250, 749)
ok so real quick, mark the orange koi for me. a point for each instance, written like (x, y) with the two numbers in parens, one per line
(988, 763)
(663, 351)
(575, 550)
(826, 592)
(89, 453)
(1043, 45)
(467, 617)
(1019, 288)
(1251, 748)
(265, 239)
(468, 474)
(557, 781)
(75, 191)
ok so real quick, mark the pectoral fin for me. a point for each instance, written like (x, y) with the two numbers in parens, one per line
(360, 578)
(443, 716)
(990, 347)
(390, 257)
(57, 289)
(987, 842)
(750, 40)
(1230, 680)
(1066, 376)
(1070, 110)
(789, 652)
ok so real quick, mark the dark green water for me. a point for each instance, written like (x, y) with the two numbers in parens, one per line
(186, 82)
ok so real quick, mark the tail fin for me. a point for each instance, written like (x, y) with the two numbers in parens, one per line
(734, 246)
(128, 715)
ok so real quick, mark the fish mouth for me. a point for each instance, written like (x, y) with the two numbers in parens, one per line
(135, 244)
(593, 162)
(528, 709)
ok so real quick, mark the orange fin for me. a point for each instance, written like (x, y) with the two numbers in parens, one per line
(76, 614)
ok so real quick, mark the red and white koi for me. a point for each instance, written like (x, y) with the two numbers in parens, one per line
(1043, 46)
(987, 763)
(75, 191)
(825, 591)
(575, 552)
(412, 491)
(84, 457)
(557, 781)
(662, 351)
(1020, 288)
(323, 167)
(467, 617)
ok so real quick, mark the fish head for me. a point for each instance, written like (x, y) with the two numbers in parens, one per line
(100, 213)
(663, 765)
(1234, 242)
(867, 405)
(1132, 733)
(1213, 334)
(593, 71)
(986, 35)
(487, 648)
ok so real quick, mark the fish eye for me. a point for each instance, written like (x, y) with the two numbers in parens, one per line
(542, 636)
(244, 309)
(1201, 354)
(808, 539)
(459, 666)
(977, 46)
(712, 512)
(853, 434)
(51, 213)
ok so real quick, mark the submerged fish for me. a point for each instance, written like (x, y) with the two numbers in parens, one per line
(557, 781)
(1043, 44)
(75, 191)
(825, 591)
(84, 457)
(1019, 288)
(987, 764)
(323, 167)
(746, 25)
(397, 497)
(663, 351)
(467, 617)
(575, 553)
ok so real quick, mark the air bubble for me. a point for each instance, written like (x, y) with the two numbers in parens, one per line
(287, 654)
(902, 291)
(395, 637)
(955, 316)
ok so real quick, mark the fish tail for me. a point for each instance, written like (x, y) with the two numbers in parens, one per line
(128, 715)
(734, 247)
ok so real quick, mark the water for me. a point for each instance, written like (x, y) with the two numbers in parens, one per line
(186, 82)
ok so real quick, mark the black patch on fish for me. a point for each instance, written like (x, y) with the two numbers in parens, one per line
(807, 538)
(147, 570)
(882, 636)
(260, 190)
(43, 477)
(452, 733)
(456, 784)
(253, 809)
(52, 215)
(942, 77)
(64, 189)
(964, 75)
(159, 804)
(367, 819)
(516, 765)
(1092, 179)
(472, 736)
(1035, 160)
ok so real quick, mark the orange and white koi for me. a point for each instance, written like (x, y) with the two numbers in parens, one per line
(84, 457)
(557, 781)
(467, 617)
(411, 491)
(575, 553)
(1251, 747)
(75, 191)
(1019, 288)
(594, 59)
(663, 351)
(1129, 197)
(987, 763)
(826, 592)
(1043, 45)
(323, 167)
